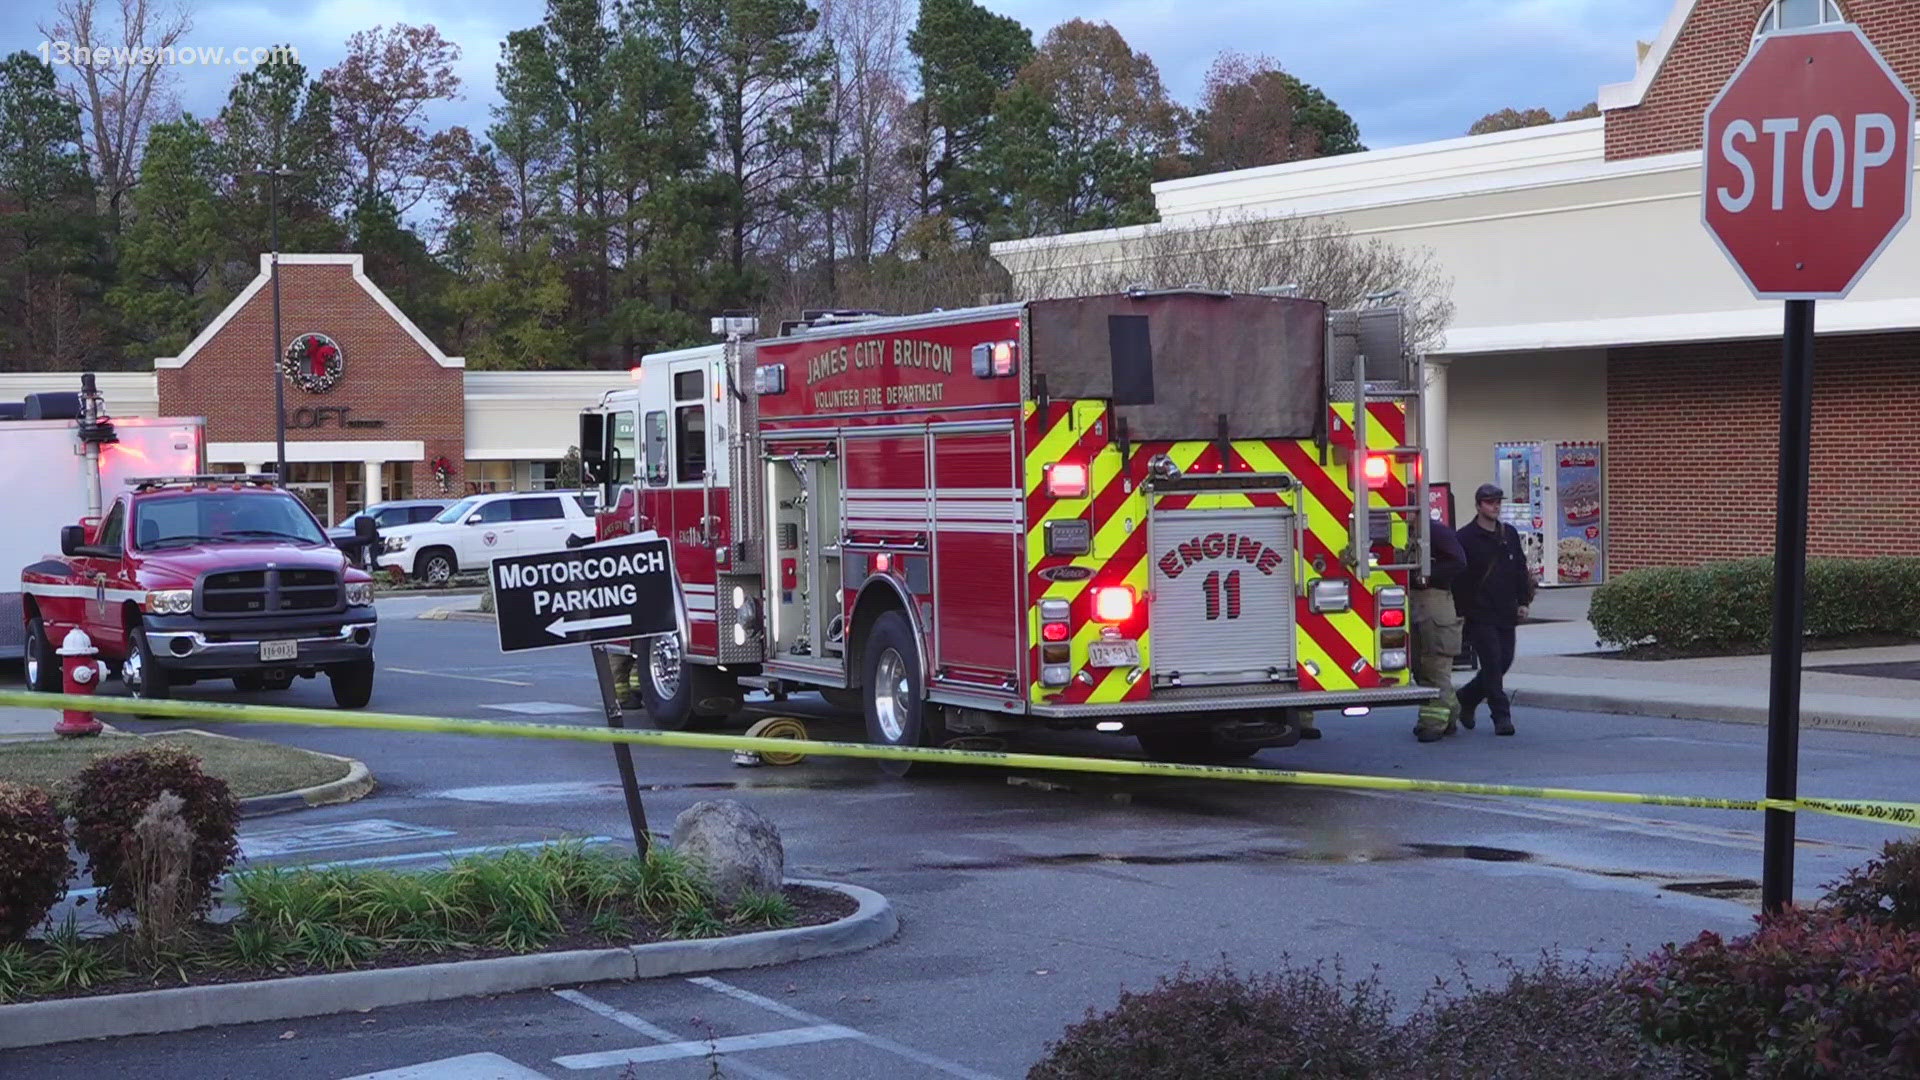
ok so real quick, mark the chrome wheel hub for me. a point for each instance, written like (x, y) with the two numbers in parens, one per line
(438, 571)
(663, 665)
(892, 695)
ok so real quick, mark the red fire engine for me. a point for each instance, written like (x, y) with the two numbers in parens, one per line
(1133, 512)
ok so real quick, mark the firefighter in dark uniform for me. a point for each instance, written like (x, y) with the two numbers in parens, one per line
(1493, 596)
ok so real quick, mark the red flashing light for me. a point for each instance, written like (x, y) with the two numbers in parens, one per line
(882, 563)
(1067, 480)
(1393, 616)
(1113, 604)
(1054, 631)
(1377, 469)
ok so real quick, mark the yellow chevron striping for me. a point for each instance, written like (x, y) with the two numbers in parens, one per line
(1059, 439)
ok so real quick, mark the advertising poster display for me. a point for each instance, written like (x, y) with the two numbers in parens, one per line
(1580, 548)
(1518, 469)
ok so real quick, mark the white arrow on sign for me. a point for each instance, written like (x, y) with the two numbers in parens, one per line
(563, 627)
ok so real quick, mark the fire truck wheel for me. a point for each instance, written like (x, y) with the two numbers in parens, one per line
(845, 700)
(1189, 747)
(140, 675)
(352, 684)
(897, 711)
(667, 685)
(43, 664)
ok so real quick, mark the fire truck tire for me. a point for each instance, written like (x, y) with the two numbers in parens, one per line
(1189, 747)
(894, 700)
(140, 675)
(679, 695)
(845, 700)
(42, 663)
(352, 684)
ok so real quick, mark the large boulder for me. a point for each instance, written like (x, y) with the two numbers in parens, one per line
(738, 847)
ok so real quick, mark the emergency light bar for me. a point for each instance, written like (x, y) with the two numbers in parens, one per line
(996, 359)
(142, 483)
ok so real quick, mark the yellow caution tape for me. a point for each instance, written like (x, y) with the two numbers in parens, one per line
(1896, 813)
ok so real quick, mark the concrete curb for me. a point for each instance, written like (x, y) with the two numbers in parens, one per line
(456, 615)
(1813, 715)
(357, 784)
(153, 1012)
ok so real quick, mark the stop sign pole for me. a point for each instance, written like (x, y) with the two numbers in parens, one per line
(1808, 174)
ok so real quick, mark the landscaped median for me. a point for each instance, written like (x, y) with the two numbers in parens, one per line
(193, 945)
(265, 777)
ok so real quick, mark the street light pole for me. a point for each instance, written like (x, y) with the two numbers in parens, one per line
(279, 379)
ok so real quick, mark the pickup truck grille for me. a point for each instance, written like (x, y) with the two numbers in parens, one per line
(265, 592)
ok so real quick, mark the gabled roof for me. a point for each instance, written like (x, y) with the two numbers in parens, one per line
(358, 265)
(1628, 94)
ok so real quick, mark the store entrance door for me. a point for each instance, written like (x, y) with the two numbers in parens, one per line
(319, 499)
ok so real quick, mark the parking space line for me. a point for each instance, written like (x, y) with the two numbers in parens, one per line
(482, 1066)
(450, 675)
(694, 1048)
(653, 1031)
(875, 1041)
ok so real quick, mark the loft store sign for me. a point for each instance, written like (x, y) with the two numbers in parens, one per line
(319, 416)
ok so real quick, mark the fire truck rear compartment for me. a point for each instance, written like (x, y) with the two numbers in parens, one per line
(1222, 596)
(804, 578)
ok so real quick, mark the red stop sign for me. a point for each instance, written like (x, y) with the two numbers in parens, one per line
(1809, 162)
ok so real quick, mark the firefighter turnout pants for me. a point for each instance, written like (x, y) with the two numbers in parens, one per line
(1436, 640)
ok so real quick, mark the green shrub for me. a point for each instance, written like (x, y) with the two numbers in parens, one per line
(1810, 994)
(1294, 1023)
(1731, 603)
(108, 798)
(34, 868)
(1885, 891)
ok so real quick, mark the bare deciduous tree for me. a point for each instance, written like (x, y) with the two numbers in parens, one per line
(116, 99)
(869, 118)
(1243, 253)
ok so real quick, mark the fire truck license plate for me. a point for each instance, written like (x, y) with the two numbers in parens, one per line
(1113, 653)
(279, 650)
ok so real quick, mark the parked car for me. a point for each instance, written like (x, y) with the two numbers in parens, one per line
(473, 532)
(385, 516)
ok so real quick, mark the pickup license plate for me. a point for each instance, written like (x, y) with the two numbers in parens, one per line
(279, 650)
(1113, 653)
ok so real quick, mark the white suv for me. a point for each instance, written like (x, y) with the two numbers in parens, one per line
(473, 532)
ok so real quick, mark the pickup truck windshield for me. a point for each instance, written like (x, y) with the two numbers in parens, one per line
(215, 518)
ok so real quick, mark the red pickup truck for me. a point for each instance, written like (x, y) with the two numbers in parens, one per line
(205, 577)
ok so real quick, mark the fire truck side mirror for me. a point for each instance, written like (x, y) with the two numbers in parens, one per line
(73, 540)
(593, 436)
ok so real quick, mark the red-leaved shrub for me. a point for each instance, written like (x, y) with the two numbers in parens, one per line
(34, 868)
(1809, 994)
(110, 795)
(1885, 891)
(1294, 1023)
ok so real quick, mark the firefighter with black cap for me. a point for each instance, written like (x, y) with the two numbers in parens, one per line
(1492, 595)
(1437, 630)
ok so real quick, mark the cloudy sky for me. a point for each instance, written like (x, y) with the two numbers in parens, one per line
(1407, 70)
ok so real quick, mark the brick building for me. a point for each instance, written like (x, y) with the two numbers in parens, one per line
(375, 409)
(1592, 307)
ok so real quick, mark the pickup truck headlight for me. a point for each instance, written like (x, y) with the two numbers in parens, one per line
(170, 602)
(360, 593)
(393, 543)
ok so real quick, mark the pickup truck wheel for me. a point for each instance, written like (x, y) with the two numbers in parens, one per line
(140, 675)
(435, 566)
(352, 684)
(895, 702)
(43, 664)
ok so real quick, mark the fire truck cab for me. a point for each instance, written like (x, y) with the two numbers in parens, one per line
(1186, 516)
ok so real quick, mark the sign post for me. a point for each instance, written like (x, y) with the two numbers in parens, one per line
(1808, 174)
(613, 591)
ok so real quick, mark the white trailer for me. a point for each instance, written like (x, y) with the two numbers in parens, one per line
(46, 480)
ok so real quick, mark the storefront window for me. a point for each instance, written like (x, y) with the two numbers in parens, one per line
(396, 481)
(225, 468)
(486, 476)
